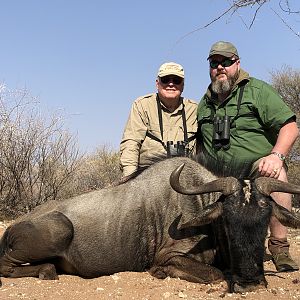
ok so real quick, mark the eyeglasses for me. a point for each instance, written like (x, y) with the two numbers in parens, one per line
(167, 79)
(227, 62)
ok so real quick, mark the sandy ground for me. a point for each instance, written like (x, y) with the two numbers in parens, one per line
(142, 286)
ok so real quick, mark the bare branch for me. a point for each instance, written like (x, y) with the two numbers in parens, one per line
(287, 9)
(234, 7)
(254, 17)
(200, 28)
(244, 3)
(286, 24)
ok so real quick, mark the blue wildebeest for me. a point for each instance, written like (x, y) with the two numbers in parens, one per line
(144, 224)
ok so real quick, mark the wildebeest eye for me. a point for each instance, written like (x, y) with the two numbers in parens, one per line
(262, 203)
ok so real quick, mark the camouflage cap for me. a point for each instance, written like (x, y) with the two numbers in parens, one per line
(170, 68)
(223, 48)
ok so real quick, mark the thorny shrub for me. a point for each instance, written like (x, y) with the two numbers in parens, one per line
(37, 155)
(96, 170)
(39, 158)
(287, 82)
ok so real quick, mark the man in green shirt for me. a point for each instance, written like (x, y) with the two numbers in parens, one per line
(242, 121)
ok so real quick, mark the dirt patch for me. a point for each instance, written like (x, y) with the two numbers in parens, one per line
(142, 286)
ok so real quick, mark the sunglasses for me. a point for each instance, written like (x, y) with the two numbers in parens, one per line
(224, 63)
(167, 79)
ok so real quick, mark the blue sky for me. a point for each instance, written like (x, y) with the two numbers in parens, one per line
(92, 58)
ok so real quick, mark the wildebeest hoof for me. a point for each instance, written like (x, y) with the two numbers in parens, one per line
(158, 273)
(237, 288)
(48, 272)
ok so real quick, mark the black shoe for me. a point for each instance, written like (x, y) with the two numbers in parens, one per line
(284, 263)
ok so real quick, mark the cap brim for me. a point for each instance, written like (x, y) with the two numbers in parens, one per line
(162, 74)
(225, 54)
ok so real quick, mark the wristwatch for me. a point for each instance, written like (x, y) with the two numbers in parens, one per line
(281, 156)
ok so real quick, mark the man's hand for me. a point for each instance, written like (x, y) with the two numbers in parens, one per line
(270, 166)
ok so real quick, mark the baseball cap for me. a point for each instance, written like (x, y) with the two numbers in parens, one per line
(170, 68)
(223, 48)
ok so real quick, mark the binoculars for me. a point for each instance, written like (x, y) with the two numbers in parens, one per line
(221, 132)
(178, 149)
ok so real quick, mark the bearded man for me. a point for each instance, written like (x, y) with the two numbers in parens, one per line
(242, 121)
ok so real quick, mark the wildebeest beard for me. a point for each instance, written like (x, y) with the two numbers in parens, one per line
(224, 86)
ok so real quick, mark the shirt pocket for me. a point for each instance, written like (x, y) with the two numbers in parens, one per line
(246, 120)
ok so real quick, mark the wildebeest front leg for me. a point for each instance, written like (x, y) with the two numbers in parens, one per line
(29, 247)
(13, 270)
(187, 269)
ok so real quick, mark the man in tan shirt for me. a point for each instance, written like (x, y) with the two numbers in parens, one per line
(160, 125)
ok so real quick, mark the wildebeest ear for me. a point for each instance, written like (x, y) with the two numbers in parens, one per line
(284, 216)
(209, 214)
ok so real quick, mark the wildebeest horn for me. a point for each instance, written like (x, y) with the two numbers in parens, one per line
(267, 185)
(226, 185)
(285, 217)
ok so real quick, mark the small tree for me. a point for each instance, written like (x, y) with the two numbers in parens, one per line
(97, 170)
(37, 155)
(287, 82)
